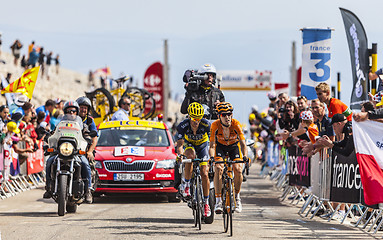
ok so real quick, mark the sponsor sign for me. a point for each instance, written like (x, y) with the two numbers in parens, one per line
(316, 59)
(299, 167)
(154, 83)
(358, 46)
(245, 80)
(123, 151)
(35, 160)
(346, 183)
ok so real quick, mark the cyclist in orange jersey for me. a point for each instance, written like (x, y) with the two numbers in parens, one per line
(227, 138)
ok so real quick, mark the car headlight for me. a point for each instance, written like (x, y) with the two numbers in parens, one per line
(98, 164)
(167, 164)
(66, 149)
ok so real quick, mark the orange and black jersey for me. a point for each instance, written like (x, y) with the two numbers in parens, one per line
(236, 133)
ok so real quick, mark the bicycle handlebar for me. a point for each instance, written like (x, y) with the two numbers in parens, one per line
(195, 160)
(230, 161)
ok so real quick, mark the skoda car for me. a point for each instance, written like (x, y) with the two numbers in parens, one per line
(136, 156)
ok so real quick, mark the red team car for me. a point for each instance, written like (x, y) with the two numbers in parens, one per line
(136, 156)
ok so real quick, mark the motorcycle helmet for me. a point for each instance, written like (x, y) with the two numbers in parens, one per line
(160, 117)
(69, 104)
(208, 68)
(84, 101)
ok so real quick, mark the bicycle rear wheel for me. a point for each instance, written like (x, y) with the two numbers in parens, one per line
(231, 207)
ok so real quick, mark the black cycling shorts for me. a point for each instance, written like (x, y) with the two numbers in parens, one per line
(233, 151)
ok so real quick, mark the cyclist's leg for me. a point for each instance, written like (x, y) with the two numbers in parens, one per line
(203, 153)
(236, 154)
(218, 171)
(189, 153)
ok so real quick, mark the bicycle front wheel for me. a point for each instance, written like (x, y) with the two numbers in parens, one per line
(225, 214)
(198, 195)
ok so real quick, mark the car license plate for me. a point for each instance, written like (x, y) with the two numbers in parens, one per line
(128, 177)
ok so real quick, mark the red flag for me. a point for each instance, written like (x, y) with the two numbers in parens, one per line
(369, 146)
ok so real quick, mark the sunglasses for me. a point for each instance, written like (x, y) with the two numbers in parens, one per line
(71, 111)
(195, 119)
(226, 114)
(126, 103)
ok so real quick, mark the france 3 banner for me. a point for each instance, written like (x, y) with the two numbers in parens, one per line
(358, 46)
(299, 167)
(368, 142)
(245, 80)
(346, 183)
(316, 60)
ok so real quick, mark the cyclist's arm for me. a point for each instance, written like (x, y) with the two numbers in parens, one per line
(243, 147)
(212, 148)
(180, 149)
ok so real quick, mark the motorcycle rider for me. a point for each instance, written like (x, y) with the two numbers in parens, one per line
(72, 108)
(85, 104)
(206, 93)
(193, 141)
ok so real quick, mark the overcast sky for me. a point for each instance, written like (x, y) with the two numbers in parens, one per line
(233, 35)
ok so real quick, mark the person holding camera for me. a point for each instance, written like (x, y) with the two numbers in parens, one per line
(200, 88)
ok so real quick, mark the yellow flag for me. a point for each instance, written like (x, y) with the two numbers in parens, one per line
(25, 84)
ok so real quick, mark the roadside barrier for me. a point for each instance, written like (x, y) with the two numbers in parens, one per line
(20, 173)
(321, 184)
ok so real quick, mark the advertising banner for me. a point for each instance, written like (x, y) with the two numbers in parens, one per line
(35, 160)
(358, 46)
(345, 179)
(299, 167)
(272, 153)
(154, 83)
(316, 60)
(245, 80)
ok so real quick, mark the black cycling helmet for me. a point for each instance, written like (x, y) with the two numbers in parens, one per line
(84, 101)
(69, 104)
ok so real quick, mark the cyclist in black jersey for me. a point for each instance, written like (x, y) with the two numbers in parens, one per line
(193, 142)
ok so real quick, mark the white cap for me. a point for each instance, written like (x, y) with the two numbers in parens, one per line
(43, 124)
(254, 108)
(20, 100)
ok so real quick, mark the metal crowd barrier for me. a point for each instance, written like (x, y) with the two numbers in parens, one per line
(13, 185)
(312, 202)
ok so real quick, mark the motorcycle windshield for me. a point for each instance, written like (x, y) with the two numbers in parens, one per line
(69, 127)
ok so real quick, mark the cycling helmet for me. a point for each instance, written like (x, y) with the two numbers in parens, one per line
(224, 107)
(196, 111)
(307, 115)
(207, 68)
(84, 101)
(69, 104)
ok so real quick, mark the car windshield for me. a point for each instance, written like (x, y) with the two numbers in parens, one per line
(147, 137)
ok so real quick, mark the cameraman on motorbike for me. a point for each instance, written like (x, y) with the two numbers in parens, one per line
(200, 88)
(70, 108)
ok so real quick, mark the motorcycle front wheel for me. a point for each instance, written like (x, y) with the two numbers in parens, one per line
(62, 194)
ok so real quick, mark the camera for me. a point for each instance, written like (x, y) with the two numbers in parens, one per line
(282, 110)
(193, 80)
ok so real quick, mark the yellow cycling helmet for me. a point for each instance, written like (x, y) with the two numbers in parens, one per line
(224, 107)
(196, 111)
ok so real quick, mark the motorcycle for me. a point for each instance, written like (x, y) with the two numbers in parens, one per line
(66, 144)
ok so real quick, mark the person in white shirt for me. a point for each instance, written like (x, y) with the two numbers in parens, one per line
(123, 112)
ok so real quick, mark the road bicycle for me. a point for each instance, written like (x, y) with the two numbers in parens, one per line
(197, 198)
(228, 200)
(104, 101)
